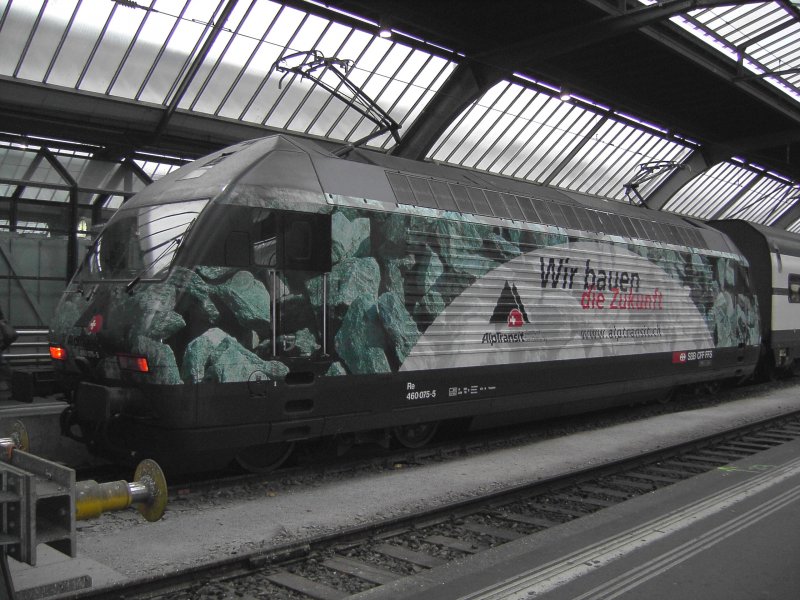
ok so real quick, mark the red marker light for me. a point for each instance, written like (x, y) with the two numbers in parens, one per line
(58, 353)
(133, 363)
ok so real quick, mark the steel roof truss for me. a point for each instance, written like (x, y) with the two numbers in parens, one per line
(212, 71)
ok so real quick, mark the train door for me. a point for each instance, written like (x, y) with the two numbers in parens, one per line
(295, 248)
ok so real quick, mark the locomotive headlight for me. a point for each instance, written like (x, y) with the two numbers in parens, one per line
(58, 353)
(130, 362)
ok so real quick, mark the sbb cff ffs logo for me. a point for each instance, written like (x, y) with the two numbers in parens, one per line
(692, 355)
(96, 324)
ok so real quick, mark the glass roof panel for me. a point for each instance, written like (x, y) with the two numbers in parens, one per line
(16, 31)
(155, 170)
(68, 63)
(181, 44)
(764, 202)
(763, 37)
(95, 174)
(520, 132)
(143, 51)
(38, 50)
(110, 49)
(27, 165)
(44, 194)
(711, 191)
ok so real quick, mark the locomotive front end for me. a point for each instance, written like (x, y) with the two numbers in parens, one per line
(175, 337)
(108, 336)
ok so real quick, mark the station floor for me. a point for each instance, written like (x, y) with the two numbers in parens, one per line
(729, 534)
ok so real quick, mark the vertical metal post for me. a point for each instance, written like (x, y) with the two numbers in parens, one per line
(274, 313)
(72, 217)
(325, 314)
(6, 584)
(72, 233)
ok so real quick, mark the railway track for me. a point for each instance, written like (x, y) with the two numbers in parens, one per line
(348, 562)
(313, 462)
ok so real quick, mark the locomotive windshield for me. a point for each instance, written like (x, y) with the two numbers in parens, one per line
(140, 242)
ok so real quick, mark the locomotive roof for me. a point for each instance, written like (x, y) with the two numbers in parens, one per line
(281, 162)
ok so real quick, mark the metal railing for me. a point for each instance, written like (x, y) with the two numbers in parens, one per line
(31, 348)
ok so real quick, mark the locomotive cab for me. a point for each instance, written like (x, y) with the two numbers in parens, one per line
(167, 281)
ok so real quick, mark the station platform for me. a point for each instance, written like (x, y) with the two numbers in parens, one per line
(729, 534)
(690, 540)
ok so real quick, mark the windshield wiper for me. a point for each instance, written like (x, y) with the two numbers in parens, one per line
(175, 241)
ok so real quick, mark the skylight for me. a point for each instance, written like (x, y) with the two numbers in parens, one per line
(146, 51)
(534, 135)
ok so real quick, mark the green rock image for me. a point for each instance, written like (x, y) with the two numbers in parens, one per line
(350, 238)
(360, 341)
(160, 359)
(248, 299)
(229, 361)
(401, 330)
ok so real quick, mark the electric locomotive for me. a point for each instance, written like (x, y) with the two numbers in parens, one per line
(274, 292)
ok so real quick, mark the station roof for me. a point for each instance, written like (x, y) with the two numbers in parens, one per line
(689, 106)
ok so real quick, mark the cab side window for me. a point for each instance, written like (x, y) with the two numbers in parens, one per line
(794, 288)
(304, 241)
(266, 241)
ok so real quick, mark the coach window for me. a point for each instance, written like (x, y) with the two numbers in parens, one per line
(794, 288)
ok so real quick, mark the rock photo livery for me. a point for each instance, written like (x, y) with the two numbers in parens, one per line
(252, 269)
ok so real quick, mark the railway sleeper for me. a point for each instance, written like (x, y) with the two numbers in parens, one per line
(452, 543)
(360, 569)
(685, 469)
(500, 533)
(307, 587)
(788, 429)
(759, 440)
(641, 488)
(593, 503)
(703, 459)
(741, 451)
(559, 510)
(605, 491)
(539, 521)
(655, 481)
(728, 456)
(415, 557)
(777, 437)
(753, 448)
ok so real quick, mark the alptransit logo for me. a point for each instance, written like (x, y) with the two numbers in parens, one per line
(511, 311)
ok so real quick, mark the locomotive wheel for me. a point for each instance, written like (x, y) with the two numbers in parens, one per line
(415, 435)
(264, 457)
